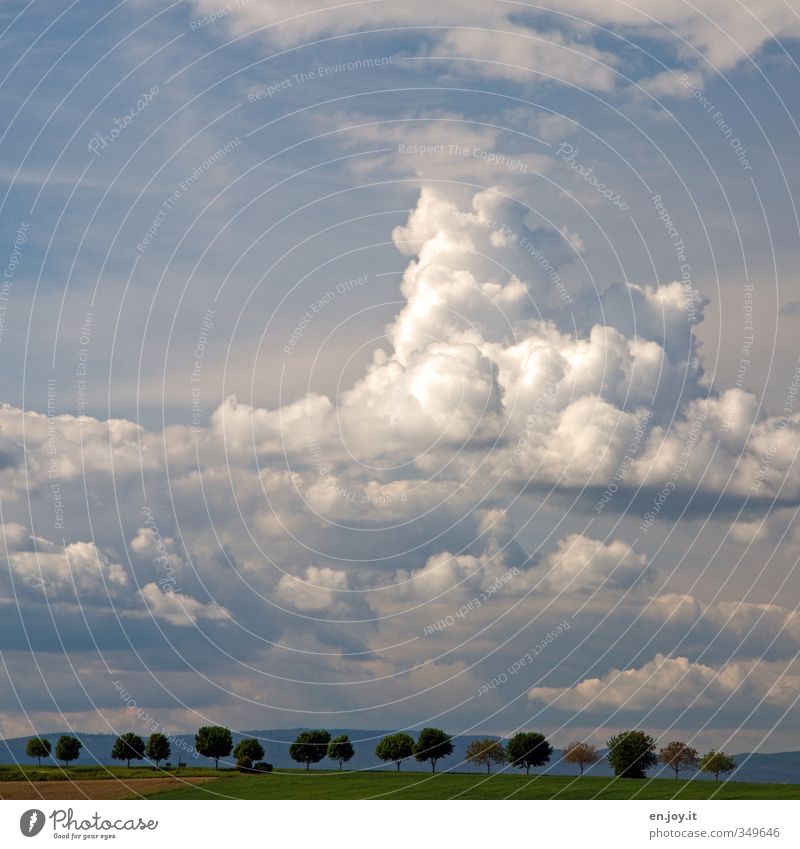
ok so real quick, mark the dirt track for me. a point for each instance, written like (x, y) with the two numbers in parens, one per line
(115, 788)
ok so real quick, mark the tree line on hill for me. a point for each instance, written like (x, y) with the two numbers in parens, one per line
(630, 753)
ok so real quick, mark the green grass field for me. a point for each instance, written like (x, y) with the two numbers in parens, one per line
(321, 784)
(95, 772)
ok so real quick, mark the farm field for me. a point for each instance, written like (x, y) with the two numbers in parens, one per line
(96, 782)
(421, 785)
(100, 782)
(100, 788)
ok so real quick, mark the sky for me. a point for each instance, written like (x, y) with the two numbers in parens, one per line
(382, 365)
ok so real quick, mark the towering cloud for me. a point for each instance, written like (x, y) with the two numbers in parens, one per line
(377, 527)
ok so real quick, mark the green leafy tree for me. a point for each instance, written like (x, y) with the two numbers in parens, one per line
(528, 749)
(631, 754)
(213, 741)
(158, 748)
(68, 749)
(38, 747)
(486, 752)
(310, 747)
(678, 755)
(396, 748)
(128, 747)
(432, 745)
(717, 763)
(582, 754)
(341, 749)
(248, 749)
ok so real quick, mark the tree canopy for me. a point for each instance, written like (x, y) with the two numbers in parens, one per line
(717, 763)
(213, 741)
(128, 747)
(631, 754)
(158, 748)
(432, 745)
(341, 749)
(248, 749)
(396, 748)
(486, 753)
(68, 748)
(38, 747)
(310, 747)
(679, 755)
(528, 749)
(582, 754)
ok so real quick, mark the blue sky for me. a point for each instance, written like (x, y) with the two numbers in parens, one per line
(368, 307)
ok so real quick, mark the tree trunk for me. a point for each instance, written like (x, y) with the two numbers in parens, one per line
(398, 766)
(581, 766)
(216, 763)
(129, 763)
(488, 768)
(340, 766)
(527, 770)
(433, 765)
(308, 764)
(40, 761)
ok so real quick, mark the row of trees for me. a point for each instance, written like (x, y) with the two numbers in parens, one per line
(524, 750)
(431, 746)
(68, 748)
(127, 747)
(630, 753)
(211, 741)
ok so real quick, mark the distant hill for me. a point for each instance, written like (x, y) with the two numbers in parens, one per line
(779, 767)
